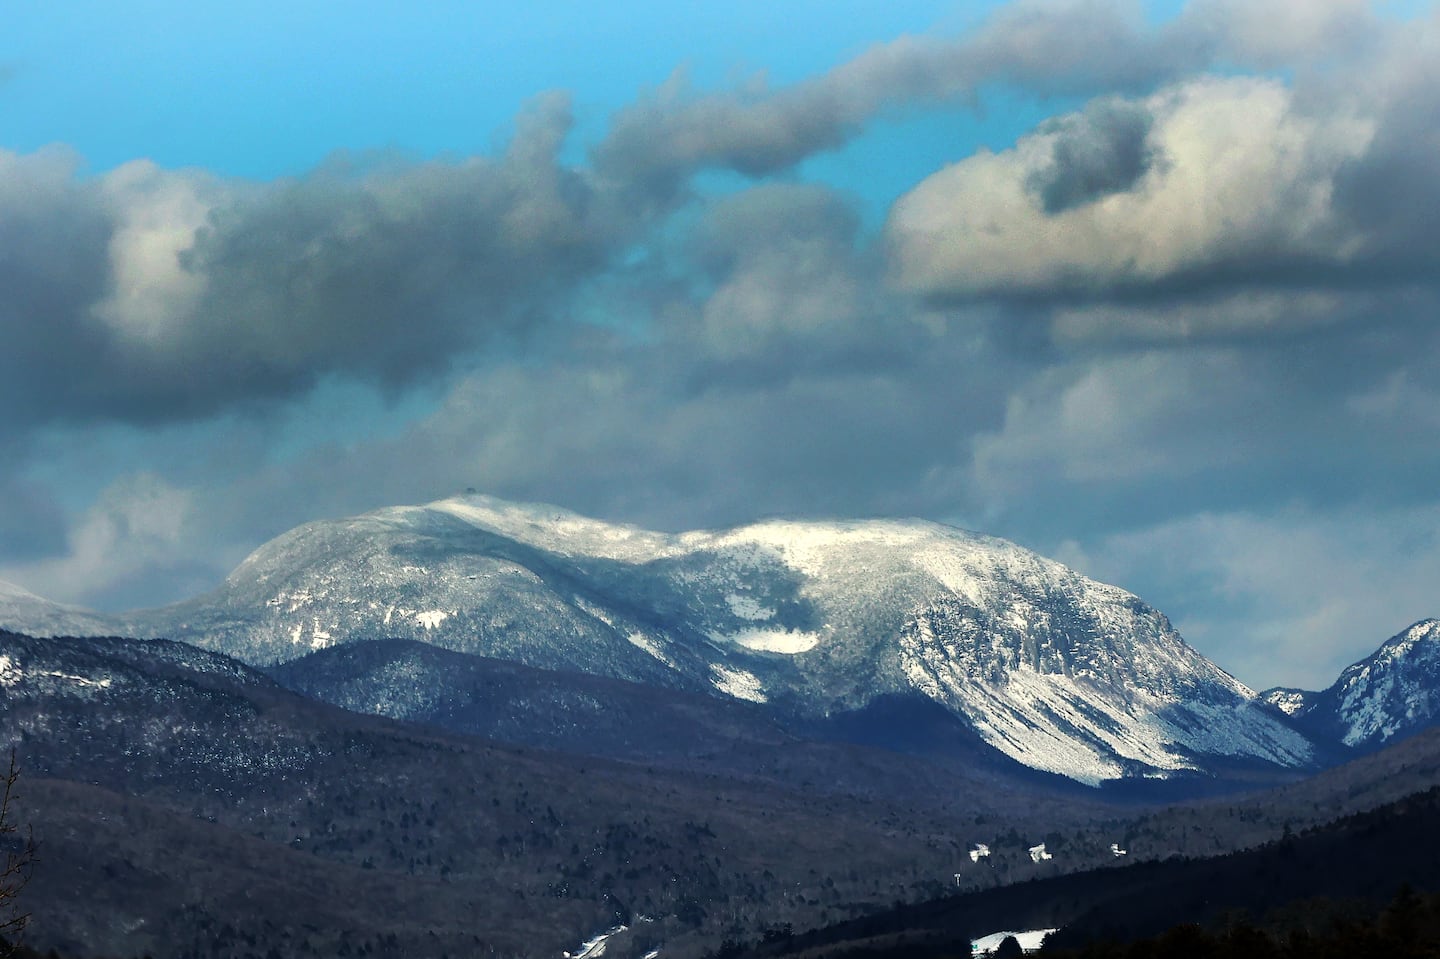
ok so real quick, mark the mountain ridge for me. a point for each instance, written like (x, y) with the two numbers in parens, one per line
(1053, 669)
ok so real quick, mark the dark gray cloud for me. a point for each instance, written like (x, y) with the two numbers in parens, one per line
(149, 296)
(1391, 192)
(1103, 150)
(32, 524)
(667, 136)
(54, 238)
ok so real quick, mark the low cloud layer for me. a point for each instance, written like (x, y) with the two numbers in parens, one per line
(1181, 333)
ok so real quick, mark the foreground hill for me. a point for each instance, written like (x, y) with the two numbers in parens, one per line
(1054, 670)
(1307, 880)
(186, 804)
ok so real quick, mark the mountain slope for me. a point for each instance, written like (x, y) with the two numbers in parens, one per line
(1055, 670)
(910, 749)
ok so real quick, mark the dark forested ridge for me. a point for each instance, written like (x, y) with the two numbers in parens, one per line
(188, 805)
(1292, 890)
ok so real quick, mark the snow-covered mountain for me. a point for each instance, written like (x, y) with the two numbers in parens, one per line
(1055, 670)
(24, 612)
(1391, 693)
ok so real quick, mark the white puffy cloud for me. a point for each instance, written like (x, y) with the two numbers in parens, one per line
(157, 215)
(1230, 178)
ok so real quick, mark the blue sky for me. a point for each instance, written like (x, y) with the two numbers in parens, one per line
(265, 89)
(1148, 289)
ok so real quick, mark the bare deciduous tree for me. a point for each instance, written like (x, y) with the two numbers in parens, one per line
(19, 859)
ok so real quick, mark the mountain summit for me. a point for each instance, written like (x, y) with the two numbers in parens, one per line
(1055, 670)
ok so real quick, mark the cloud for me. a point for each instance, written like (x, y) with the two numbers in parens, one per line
(148, 295)
(1387, 194)
(1282, 33)
(133, 534)
(155, 217)
(54, 238)
(32, 524)
(673, 132)
(784, 276)
(1244, 313)
(1102, 151)
(1286, 597)
(1211, 191)
(1075, 47)
(1113, 440)
(1212, 178)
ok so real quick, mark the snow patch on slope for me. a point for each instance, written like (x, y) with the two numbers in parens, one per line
(557, 530)
(431, 618)
(641, 641)
(12, 674)
(788, 641)
(737, 683)
(747, 607)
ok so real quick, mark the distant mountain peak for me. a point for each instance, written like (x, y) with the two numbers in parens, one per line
(23, 611)
(1393, 692)
(1405, 644)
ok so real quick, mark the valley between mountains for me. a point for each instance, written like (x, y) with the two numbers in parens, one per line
(476, 727)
